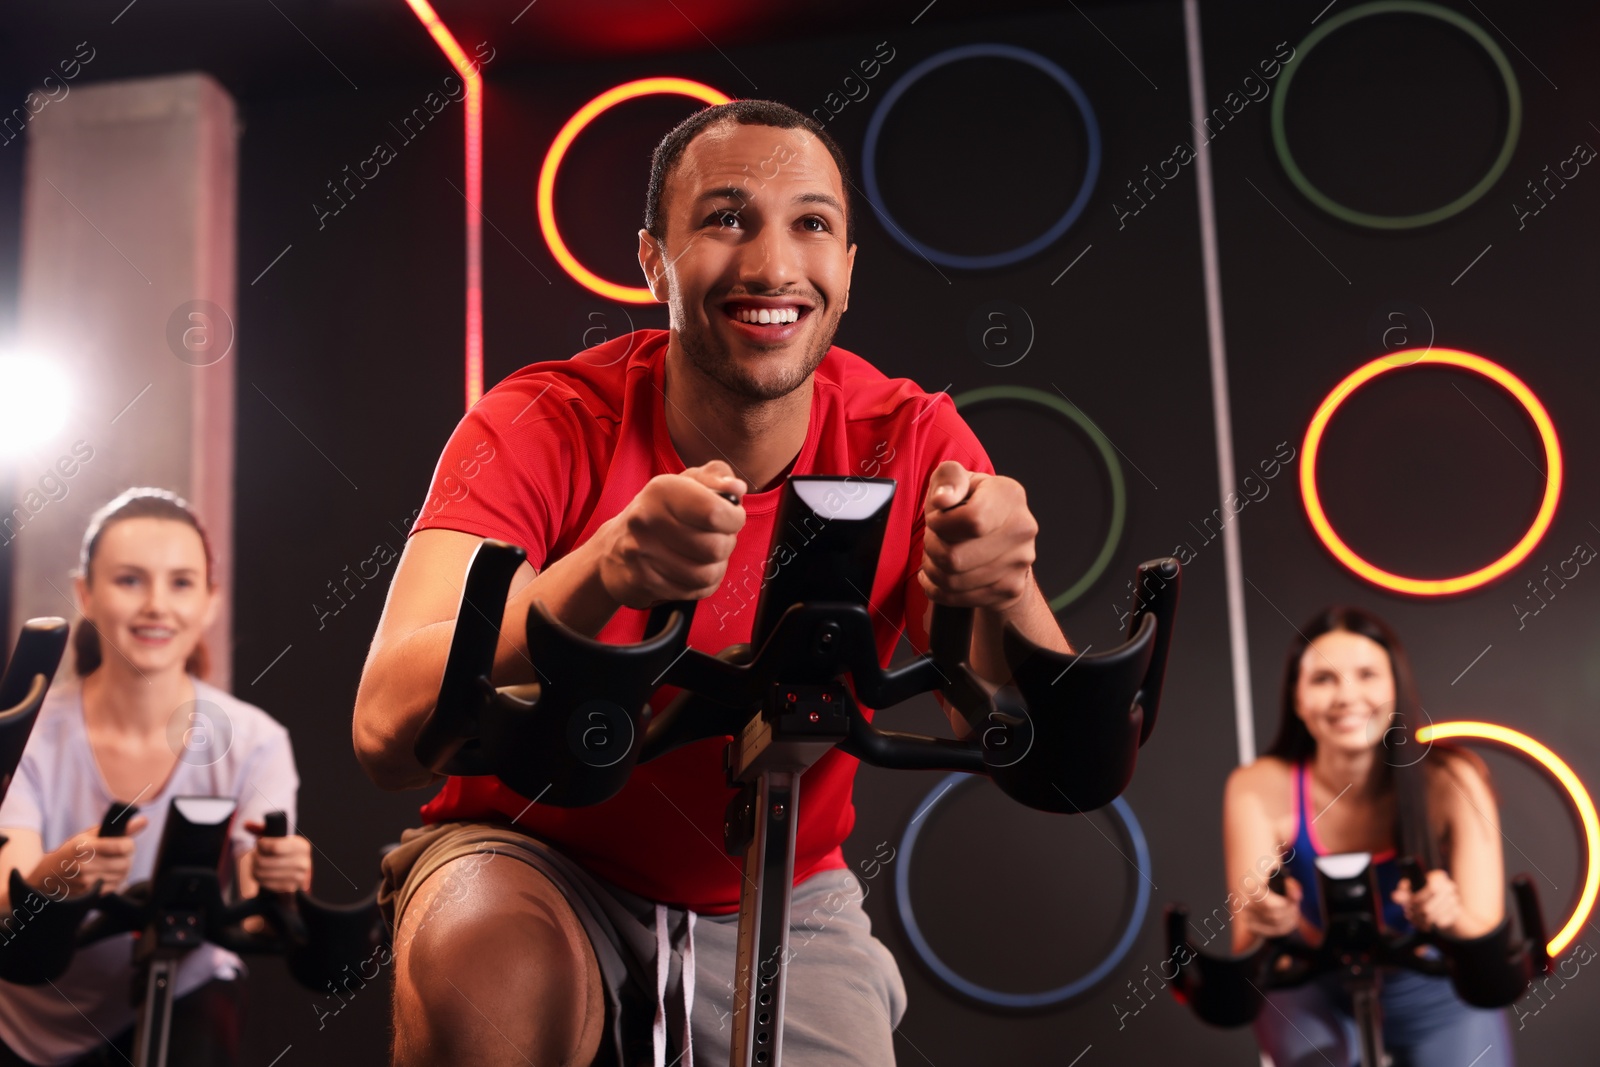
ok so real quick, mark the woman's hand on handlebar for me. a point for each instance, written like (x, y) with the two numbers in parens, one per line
(280, 864)
(1436, 906)
(674, 539)
(86, 858)
(1274, 914)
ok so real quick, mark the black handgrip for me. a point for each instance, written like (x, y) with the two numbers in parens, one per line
(41, 949)
(40, 646)
(950, 635)
(281, 909)
(23, 687)
(1278, 882)
(1157, 582)
(1221, 990)
(573, 739)
(471, 661)
(1064, 735)
(1489, 971)
(115, 823)
(1176, 920)
(661, 616)
(1528, 910)
(1411, 870)
(334, 942)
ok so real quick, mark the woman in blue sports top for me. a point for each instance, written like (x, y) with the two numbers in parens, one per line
(1326, 786)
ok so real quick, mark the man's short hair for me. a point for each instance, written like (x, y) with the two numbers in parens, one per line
(745, 113)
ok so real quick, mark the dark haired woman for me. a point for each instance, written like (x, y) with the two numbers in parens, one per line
(141, 728)
(1327, 786)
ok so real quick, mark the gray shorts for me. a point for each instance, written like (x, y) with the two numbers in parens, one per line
(845, 995)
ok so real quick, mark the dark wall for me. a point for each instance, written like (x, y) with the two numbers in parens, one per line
(350, 379)
(1435, 472)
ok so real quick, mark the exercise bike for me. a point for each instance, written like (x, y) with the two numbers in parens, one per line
(1490, 971)
(1061, 735)
(182, 905)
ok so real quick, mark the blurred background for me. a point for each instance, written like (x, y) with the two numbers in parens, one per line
(249, 240)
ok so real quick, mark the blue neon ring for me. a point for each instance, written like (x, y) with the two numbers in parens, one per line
(994, 997)
(869, 154)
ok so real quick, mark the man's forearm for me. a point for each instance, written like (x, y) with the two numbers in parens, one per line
(1031, 615)
(401, 681)
(570, 589)
(398, 689)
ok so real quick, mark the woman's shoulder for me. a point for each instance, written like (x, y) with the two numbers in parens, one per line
(57, 732)
(1265, 785)
(1260, 795)
(61, 709)
(1450, 772)
(65, 692)
(1265, 773)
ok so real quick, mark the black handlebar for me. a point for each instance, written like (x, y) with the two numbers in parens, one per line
(1490, 971)
(1061, 735)
(117, 816)
(23, 686)
(182, 905)
(38, 653)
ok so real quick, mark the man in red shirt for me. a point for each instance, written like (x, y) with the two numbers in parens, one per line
(533, 934)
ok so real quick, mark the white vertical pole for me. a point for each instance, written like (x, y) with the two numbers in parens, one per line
(1244, 716)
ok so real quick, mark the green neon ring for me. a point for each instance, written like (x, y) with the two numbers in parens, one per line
(1119, 489)
(1280, 141)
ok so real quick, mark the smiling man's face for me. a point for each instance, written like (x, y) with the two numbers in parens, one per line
(755, 229)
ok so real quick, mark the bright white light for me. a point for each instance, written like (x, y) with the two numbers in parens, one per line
(1344, 864)
(34, 397)
(847, 499)
(206, 811)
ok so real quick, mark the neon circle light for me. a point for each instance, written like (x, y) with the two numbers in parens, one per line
(1102, 444)
(1431, 586)
(545, 201)
(1553, 765)
(869, 155)
(994, 997)
(1280, 140)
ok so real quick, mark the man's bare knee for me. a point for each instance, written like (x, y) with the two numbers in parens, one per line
(492, 966)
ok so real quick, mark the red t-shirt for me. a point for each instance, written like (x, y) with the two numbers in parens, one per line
(555, 450)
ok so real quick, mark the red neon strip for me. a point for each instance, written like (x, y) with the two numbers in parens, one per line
(474, 83)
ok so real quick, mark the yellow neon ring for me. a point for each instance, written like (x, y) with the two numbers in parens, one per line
(1557, 768)
(546, 198)
(1431, 586)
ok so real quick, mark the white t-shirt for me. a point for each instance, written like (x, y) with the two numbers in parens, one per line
(227, 748)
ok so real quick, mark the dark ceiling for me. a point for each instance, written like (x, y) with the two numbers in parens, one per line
(272, 47)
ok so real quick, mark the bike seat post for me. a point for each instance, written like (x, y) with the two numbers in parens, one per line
(798, 724)
(1369, 1022)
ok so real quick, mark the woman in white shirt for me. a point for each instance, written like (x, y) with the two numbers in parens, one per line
(141, 726)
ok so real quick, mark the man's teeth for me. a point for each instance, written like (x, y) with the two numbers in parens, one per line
(765, 316)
